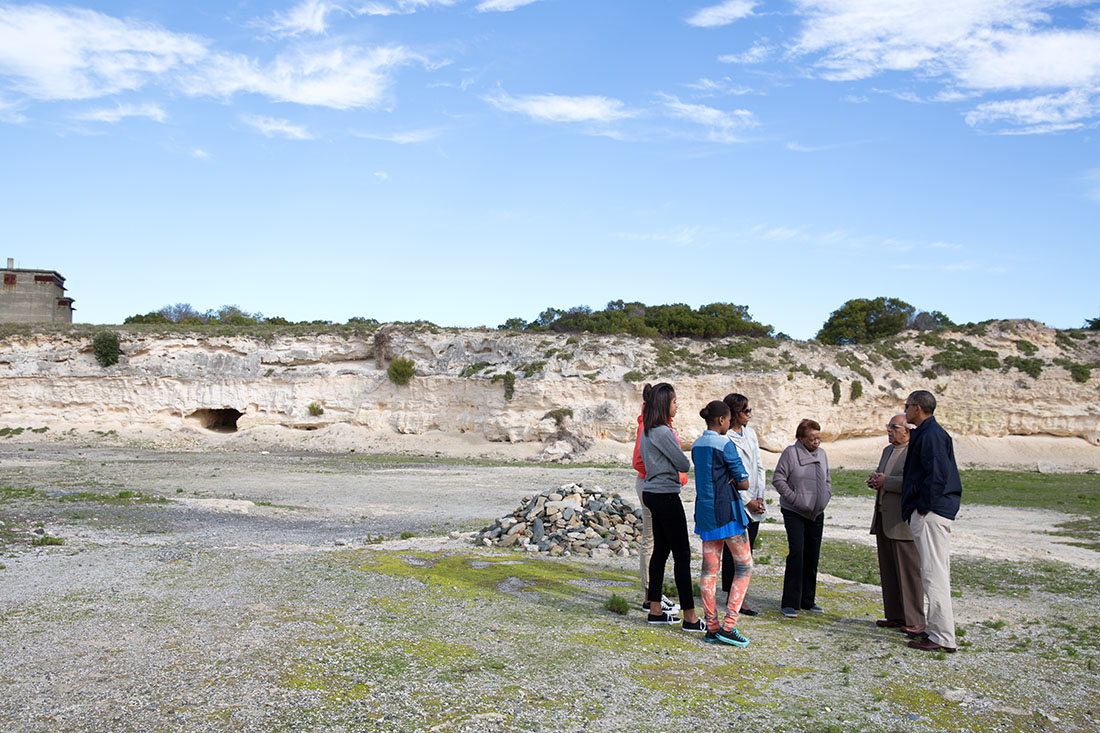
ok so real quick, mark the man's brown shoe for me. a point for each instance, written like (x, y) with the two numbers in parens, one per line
(927, 645)
(886, 623)
(914, 631)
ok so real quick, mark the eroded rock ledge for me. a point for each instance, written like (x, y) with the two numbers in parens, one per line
(569, 390)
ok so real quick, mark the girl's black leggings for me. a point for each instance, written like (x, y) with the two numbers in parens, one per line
(670, 534)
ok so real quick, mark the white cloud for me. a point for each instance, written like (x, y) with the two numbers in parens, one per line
(721, 125)
(406, 137)
(722, 14)
(11, 111)
(272, 127)
(502, 5)
(200, 154)
(559, 108)
(711, 87)
(973, 47)
(1045, 113)
(756, 54)
(54, 53)
(307, 17)
(1092, 185)
(340, 78)
(682, 236)
(121, 111)
(399, 7)
(381, 175)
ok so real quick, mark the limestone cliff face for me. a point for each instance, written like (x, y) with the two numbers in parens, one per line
(169, 381)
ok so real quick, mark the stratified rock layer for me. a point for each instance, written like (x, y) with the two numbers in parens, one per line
(460, 385)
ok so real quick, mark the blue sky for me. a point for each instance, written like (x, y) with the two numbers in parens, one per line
(466, 161)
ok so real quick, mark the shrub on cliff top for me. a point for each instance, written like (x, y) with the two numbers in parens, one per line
(401, 370)
(709, 321)
(863, 320)
(106, 348)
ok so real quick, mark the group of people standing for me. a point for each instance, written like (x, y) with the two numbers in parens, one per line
(917, 497)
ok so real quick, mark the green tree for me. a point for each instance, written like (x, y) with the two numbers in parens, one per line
(861, 321)
(401, 370)
(1092, 324)
(106, 348)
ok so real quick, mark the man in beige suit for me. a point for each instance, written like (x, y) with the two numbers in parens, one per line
(898, 559)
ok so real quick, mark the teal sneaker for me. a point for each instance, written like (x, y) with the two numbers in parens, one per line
(711, 637)
(733, 636)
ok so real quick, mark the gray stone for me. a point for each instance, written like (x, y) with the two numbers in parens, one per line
(1046, 467)
(537, 530)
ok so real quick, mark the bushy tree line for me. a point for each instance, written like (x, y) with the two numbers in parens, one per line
(863, 320)
(708, 321)
(185, 314)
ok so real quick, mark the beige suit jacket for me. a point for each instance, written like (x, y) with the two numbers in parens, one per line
(888, 500)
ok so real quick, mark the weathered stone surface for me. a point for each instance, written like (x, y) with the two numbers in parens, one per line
(161, 381)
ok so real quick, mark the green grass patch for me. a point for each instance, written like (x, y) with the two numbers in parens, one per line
(46, 540)
(617, 604)
(473, 369)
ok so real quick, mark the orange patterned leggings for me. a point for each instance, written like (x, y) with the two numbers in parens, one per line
(742, 571)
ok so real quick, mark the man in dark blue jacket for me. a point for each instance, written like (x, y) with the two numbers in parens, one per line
(930, 495)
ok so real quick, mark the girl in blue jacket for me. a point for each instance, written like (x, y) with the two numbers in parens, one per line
(721, 520)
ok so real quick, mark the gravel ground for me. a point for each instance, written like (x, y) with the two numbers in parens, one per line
(230, 591)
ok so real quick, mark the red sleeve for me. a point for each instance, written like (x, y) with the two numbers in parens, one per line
(638, 463)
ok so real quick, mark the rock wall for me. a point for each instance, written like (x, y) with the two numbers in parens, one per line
(166, 380)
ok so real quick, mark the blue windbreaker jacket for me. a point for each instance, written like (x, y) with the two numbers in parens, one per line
(718, 509)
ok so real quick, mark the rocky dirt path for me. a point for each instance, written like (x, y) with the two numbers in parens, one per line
(257, 599)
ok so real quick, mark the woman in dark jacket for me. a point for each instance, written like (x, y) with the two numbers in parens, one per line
(802, 479)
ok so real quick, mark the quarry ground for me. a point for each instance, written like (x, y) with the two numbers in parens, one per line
(249, 591)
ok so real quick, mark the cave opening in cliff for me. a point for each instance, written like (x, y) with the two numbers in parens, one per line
(219, 420)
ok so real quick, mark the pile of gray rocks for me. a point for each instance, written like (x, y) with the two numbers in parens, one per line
(570, 520)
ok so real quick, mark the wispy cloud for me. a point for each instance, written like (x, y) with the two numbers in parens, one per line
(714, 87)
(1091, 180)
(200, 154)
(67, 53)
(721, 14)
(272, 127)
(1045, 113)
(399, 7)
(797, 147)
(560, 108)
(681, 237)
(382, 175)
(952, 267)
(11, 111)
(54, 53)
(406, 137)
(340, 78)
(502, 5)
(1049, 76)
(122, 111)
(307, 17)
(721, 126)
(757, 53)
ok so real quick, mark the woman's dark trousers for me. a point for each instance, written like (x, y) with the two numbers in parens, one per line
(669, 535)
(803, 551)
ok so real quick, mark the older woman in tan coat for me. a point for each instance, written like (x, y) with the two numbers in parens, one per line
(802, 479)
